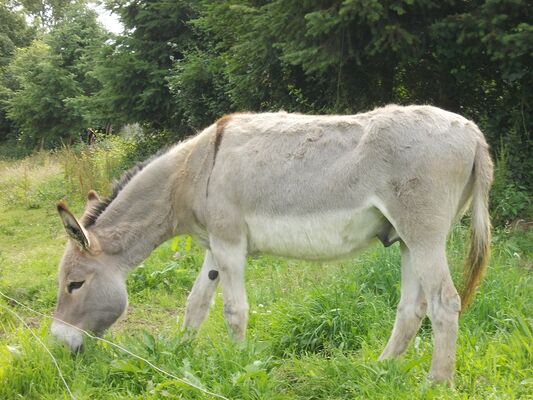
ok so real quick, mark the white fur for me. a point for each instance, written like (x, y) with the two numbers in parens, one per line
(67, 334)
(324, 236)
(201, 296)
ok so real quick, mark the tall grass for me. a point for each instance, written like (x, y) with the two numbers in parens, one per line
(46, 177)
(30, 182)
(94, 167)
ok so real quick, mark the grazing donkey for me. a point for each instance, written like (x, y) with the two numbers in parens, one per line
(308, 187)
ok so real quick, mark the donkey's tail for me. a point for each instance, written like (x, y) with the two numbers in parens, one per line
(479, 253)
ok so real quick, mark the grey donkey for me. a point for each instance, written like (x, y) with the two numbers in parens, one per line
(300, 186)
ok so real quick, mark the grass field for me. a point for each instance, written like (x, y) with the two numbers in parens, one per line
(315, 331)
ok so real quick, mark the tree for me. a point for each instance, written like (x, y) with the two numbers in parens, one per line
(134, 69)
(181, 64)
(14, 33)
(38, 108)
(46, 13)
(485, 51)
(352, 55)
(54, 80)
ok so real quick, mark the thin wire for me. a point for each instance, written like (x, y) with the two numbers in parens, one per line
(120, 348)
(42, 344)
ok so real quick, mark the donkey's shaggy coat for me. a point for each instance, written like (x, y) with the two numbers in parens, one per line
(310, 187)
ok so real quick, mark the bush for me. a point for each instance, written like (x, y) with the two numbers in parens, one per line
(143, 146)
(508, 200)
(12, 150)
(95, 167)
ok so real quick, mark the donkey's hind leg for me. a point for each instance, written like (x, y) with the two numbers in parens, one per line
(411, 309)
(444, 305)
(201, 296)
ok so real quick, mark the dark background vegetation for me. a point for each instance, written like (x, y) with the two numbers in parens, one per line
(181, 64)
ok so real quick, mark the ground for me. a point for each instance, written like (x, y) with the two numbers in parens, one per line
(316, 329)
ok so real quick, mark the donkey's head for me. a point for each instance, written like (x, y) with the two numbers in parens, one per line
(92, 291)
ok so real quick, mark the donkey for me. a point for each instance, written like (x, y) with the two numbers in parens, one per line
(300, 186)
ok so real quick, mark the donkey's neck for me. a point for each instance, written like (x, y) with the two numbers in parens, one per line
(145, 212)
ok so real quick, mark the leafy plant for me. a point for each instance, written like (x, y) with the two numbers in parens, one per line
(94, 167)
(508, 201)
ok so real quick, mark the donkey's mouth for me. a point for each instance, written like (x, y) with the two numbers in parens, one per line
(78, 350)
(68, 335)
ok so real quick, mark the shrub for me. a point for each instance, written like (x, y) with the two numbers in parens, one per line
(13, 150)
(142, 147)
(508, 200)
(94, 167)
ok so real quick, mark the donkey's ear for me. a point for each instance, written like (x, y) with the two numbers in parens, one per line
(73, 227)
(92, 196)
(92, 199)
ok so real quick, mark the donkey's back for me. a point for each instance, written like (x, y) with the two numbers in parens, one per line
(321, 187)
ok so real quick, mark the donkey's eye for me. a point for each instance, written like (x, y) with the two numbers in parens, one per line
(74, 285)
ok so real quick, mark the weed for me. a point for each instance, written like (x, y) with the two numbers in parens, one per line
(93, 167)
(509, 200)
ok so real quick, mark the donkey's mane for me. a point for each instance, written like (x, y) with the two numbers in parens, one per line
(97, 209)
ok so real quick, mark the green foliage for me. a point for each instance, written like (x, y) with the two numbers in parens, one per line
(38, 108)
(14, 33)
(348, 56)
(12, 149)
(94, 167)
(197, 85)
(179, 65)
(508, 201)
(150, 142)
(481, 58)
(46, 13)
(53, 80)
(134, 66)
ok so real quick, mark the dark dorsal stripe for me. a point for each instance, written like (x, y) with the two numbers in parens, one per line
(220, 125)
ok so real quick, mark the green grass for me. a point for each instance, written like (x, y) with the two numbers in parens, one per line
(315, 329)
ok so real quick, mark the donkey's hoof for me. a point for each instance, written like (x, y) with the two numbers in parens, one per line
(441, 379)
(187, 335)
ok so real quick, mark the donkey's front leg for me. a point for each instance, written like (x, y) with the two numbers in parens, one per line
(201, 296)
(231, 258)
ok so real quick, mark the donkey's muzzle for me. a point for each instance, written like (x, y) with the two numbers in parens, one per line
(68, 335)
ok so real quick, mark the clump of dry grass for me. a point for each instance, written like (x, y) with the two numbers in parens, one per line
(28, 181)
(93, 167)
(69, 173)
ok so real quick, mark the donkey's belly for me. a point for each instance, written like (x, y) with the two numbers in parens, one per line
(320, 236)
